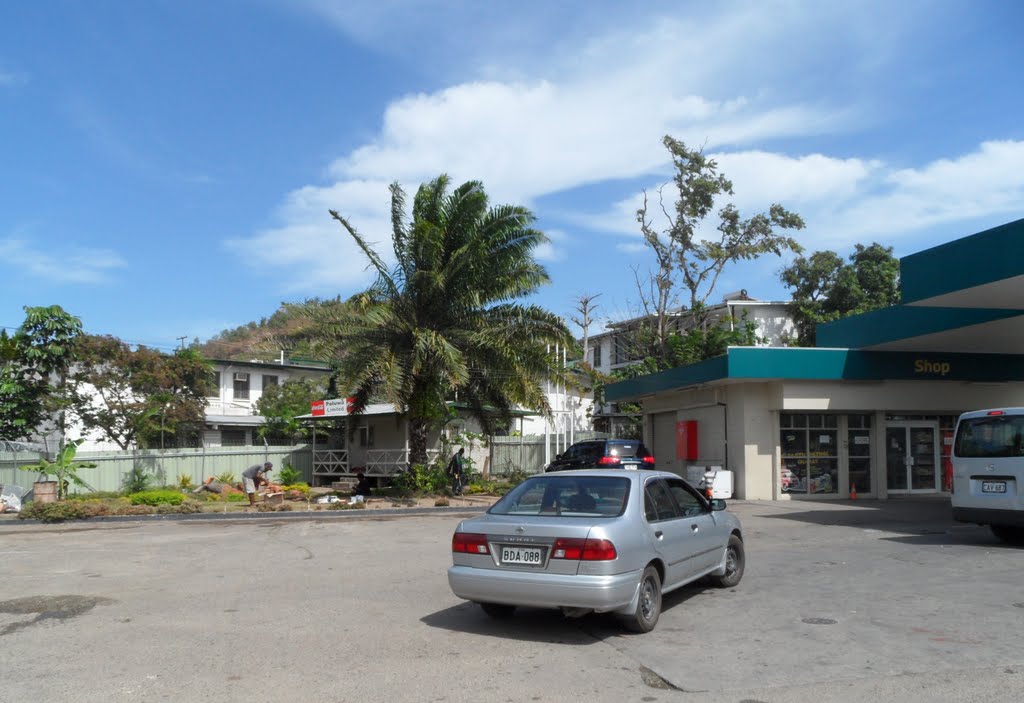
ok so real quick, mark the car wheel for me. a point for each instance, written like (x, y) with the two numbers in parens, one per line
(1008, 534)
(734, 564)
(648, 607)
(499, 611)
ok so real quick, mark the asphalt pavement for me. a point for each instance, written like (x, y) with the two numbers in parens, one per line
(841, 601)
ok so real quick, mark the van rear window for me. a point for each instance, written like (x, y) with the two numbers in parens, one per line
(994, 436)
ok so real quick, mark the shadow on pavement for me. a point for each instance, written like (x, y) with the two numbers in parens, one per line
(908, 515)
(544, 624)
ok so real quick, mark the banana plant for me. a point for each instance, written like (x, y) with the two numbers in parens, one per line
(64, 468)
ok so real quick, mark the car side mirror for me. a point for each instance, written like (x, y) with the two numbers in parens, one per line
(559, 457)
(717, 504)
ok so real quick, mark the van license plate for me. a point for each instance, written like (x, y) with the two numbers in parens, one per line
(530, 556)
(993, 486)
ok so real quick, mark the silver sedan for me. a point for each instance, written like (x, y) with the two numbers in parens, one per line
(603, 541)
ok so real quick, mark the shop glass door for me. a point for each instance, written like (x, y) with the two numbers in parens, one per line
(911, 457)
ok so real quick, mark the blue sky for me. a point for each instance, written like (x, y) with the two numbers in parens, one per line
(166, 167)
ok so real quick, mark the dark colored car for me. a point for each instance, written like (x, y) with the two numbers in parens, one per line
(604, 454)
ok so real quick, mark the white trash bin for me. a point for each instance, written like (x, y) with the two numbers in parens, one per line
(720, 482)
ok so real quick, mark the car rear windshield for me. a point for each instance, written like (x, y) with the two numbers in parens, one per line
(623, 448)
(569, 496)
(990, 436)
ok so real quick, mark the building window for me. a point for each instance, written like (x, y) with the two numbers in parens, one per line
(268, 381)
(215, 391)
(858, 442)
(241, 386)
(597, 355)
(620, 349)
(232, 438)
(810, 453)
(366, 436)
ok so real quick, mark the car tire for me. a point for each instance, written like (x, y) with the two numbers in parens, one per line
(735, 562)
(498, 611)
(648, 607)
(1009, 534)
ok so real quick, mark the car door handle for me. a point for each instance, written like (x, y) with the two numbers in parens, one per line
(659, 534)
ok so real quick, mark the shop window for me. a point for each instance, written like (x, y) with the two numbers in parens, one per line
(810, 457)
(859, 452)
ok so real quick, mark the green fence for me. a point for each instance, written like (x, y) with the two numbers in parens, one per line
(527, 452)
(164, 466)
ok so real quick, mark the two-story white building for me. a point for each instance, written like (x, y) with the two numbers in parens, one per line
(231, 419)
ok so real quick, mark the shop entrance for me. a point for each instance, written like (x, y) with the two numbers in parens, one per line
(912, 457)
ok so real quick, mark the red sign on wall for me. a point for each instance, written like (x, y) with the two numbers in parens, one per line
(686, 439)
(332, 408)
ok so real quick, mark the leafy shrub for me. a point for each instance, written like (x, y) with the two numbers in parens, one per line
(136, 480)
(300, 487)
(441, 503)
(95, 495)
(226, 477)
(186, 507)
(235, 498)
(516, 476)
(422, 479)
(344, 505)
(289, 476)
(185, 482)
(267, 508)
(137, 510)
(160, 497)
(53, 512)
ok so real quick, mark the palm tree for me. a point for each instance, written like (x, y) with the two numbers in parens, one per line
(444, 321)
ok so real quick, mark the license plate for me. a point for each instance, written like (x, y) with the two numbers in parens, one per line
(993, 486)
(531, 556)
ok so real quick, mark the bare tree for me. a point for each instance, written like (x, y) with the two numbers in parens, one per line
(585, 306)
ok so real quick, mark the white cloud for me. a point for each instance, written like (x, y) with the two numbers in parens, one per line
(69, 265)
(310, 251)
(590, 108)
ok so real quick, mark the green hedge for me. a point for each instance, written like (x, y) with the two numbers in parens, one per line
(158, 497)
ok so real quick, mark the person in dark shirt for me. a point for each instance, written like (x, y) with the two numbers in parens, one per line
(362, 487)
(456, 470)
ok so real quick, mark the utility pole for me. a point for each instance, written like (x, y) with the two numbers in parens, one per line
(182, 340)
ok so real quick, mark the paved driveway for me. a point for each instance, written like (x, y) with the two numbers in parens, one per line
(861, 601)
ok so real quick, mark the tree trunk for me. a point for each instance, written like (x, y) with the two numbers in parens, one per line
(418, 441)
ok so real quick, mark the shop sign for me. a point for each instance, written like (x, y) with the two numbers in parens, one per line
(335, 407)
(932, 368)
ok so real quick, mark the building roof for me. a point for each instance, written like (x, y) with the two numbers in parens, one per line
(304, 364)
(818, 364)
(963, 296)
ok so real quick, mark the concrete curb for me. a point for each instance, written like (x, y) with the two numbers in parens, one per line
(229, 517)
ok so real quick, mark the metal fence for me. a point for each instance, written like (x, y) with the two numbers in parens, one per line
(163, 466)
(527, 453)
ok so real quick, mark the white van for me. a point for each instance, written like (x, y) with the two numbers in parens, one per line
(988, 471)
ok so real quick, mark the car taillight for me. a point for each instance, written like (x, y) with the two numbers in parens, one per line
(996, 412)
(609, 461)
(649, 459)
(470, 543)
(583, 549)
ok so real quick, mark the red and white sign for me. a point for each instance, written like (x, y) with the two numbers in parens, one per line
(337, 407)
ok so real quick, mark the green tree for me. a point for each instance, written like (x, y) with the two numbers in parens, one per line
(280, 405)
(445, 320)
(826, 288)
(33, 362)
(688, 264)
(138, 396)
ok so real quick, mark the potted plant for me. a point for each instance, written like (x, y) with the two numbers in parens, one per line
(64, 470)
